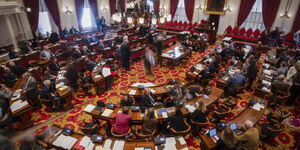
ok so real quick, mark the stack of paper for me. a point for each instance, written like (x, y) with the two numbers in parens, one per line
(266, 82)
(107, 144)
(107, 112)
(89, 108)
(132, 92)
(199, 67)
(59, 85)
(267, 72)
(63, 88)
(85, 141)
(182, 141)
(17, 92)
(190, 108)
(66, 142)
(106, 72)
(266, 89)
(97, 76)
(18, 105)
(118, 145)
(258, 106)
(164, 114)
(205, 96)
(152, 91)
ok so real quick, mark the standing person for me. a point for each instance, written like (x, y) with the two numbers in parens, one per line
(65, 33)
(294, 91)
(251, 73)
(125, 55)
(149, 60)
(31, 89)
(102, 23)
(159, 47)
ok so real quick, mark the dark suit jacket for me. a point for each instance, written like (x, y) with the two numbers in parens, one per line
(149, 125)
(128, 103)
(18, 70)
(146, 100)
(177, 123)
(46, 93)
(9, 77)
(54, 66)
(159, 47)
(54, 37)
(125, 52)
(90, 65)
(73, 31)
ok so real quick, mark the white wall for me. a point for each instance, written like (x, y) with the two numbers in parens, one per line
(104, 10)
(230, 18)
(67, 20)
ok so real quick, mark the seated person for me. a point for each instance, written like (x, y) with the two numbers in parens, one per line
(204, 76)
(227, 140)
(32, 142)
(17, 70)
(76, 53)
(278, 85)
(46, 53)
(269, 130)
(193, 92)
(65, 33)
(250, 138)
(283, 69)
(177, 92)
(177, 121)
(86, 40)
(126, 101)
(101, 45)
(9, 77)
(73, 30)
(12, 54)
(150, 123)
(54, 37)
(90, 65)
(84, 83)
(235, 82)
(4, 114)
(148, 100)
(122, 122)
(199, 115)
(220, 113)
(54, 66)
(5, 93)
(47, 94)
(85, 50)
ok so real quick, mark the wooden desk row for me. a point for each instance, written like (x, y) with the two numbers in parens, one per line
(247, 114)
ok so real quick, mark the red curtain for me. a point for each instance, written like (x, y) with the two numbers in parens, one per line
(122, 5)
(112, 6)
(269, 11)
(33, 16)
(189, 9)
(173, 7)
(156, 5)
(245, 8)
(79, 4)
(296, 24)
(94, 8)
(54, 11)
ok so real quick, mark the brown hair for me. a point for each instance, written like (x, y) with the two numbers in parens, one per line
(229, 138)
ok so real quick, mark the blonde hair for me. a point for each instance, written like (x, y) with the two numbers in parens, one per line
(201, 106)
(229, 138)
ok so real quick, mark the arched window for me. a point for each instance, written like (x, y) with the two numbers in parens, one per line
(255, 18)
(87, 20)
(46, 23)
(180, 14)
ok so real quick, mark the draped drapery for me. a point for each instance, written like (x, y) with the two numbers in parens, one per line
(173, 7)
(296, 24)
(79, 5)
(33, 15)
(54, 11)
(245, 8)
(112, 6)
(122, 5)
(189, 9)
(156, 5)
(94, 8)
(269, 11)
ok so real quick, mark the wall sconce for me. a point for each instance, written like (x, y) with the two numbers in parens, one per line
(162, 20)
(104, 9)
(130, 20)
(199, 7)
(227, 9)
(285, 15)
(141, 20)
(24, 9)
(68, 11)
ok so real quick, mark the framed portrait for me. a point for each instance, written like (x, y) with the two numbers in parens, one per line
(215, 7)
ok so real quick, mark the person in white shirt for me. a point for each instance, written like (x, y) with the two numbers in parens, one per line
(46, 53)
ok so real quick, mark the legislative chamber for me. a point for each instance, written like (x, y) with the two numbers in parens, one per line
(149, 74)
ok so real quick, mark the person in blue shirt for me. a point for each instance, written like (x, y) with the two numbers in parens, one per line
(235, 83)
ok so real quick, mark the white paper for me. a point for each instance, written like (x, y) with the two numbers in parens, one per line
(97, 76)
(267, 72)
(89, 108)
(258, 106)
(59, 85)
(139, 148)
(107, 112)
(98, 148)
(66, 142)
(152, 91)
(85, 141)
(205, 96)
(132, 92)
(266, 89)
(18, 105)
(16, 97)
(164, 114)
(118, 145)
(181, 140)
(190, 108)
(266, 82)
(170, 146)
(171, 140)
(185, 148)
(90, 146)
(106, 72)
(107, 144)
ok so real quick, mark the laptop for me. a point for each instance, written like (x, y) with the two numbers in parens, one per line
(234, 128)
(159, 140)
(135, 108)
(97, 138)
(213, 135)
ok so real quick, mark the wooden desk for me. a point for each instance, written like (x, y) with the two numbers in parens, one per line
(247, 114)
(176, 54)
(128, 145)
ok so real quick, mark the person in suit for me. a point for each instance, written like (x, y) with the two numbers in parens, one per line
(54, 66)
(72, 76)
(48, 95)
(177, 92)
(86, 41)
(5, 117)
(5, 94)
(125, 55)
(150, 37)
(9, 77)
(251, 72)
(85, 50)
(90, 65)
(279, 85)
(148, 100)
(295, 88)
(54, 37)
(65, 33)
(149, 60)
(177, 121)
(17, 70)
(126, 101)
(159, 47)
(12, 54)
(227, 140)
(102, 24)
(101, 45)
(150, 123)
(122, 122)
(250, 138)
(76, 53)
(46, 53)
(73, 31)
(193, 92)
(31, 89)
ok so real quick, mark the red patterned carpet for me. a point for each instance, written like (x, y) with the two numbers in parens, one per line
(285, 140)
